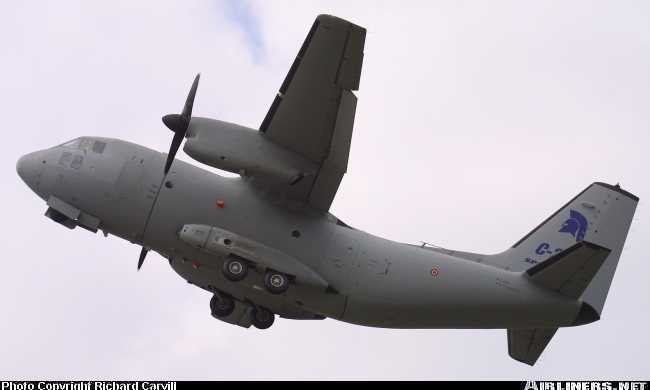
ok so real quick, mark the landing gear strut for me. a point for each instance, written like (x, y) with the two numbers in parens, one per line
(262, 318)
(222, 305)
(276, 282)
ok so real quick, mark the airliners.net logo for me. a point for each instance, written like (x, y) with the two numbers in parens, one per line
(580, 385)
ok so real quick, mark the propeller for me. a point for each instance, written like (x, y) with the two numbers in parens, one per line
(143, 254)
(178, 123)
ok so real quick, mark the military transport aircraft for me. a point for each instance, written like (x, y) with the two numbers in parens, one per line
(265, 244)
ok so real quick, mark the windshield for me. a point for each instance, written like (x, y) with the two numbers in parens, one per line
(86, 144)
(72, 144)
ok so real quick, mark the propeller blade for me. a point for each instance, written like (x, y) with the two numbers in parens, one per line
(189, 102)
(179, 123)
(143, 254)
(176, 143)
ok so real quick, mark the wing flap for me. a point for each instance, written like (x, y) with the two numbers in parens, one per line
(335, 165)
(342, 137)
(350, 71)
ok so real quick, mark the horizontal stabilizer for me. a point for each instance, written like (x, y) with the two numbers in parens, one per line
(570, 271)
(526, 345)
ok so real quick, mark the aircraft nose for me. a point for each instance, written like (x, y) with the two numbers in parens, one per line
(28, 168)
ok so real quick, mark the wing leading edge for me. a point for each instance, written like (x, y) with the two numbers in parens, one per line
(313, 112)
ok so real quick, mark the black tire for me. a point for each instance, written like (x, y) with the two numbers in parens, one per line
(262, 318)
(235, 269)
(276, 282)
(222, 306)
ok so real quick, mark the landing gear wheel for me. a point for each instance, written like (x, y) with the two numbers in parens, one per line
(222, 305)
(262, 318)
(235, 269)
(276, 282)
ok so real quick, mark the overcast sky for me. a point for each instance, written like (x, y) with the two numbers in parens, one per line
(475, 121)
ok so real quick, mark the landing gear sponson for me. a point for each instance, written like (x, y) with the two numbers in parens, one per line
(242, 254)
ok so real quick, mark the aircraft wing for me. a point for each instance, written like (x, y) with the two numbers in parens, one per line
(313, 113)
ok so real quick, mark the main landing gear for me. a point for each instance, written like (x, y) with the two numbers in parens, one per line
(235, 269)
(262, 318)
(222, 305)
(276, 282)
(225, 308)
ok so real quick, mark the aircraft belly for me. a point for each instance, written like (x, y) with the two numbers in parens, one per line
(210, 279)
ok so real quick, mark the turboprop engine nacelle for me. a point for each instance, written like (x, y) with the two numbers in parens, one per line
(245, 151)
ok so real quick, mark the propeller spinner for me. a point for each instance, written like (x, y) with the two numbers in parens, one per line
(179, 123)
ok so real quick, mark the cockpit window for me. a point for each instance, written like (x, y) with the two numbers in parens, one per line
(72, 144)
(98, 147)
(86, 144)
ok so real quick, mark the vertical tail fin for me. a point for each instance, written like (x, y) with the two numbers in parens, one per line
(600, 215)
(573, 252)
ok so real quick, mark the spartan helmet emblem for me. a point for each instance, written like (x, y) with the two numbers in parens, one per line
(576, 225)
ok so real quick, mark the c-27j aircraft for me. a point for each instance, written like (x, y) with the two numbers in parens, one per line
(265, 244)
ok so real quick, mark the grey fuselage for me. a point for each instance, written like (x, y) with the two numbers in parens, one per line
(371, 281)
